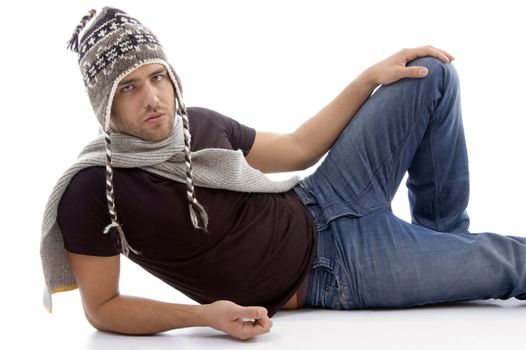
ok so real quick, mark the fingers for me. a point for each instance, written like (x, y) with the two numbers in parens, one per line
(419, 71)
(254, 321)
(257, 316)
(255, 312)
(416, 72)
(249, 329)
(411, 54)
(264, 322)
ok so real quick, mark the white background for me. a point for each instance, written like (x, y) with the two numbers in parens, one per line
(270, 65)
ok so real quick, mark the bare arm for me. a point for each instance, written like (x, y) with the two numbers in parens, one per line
(301, 149)
(107, 310)
(274, 152)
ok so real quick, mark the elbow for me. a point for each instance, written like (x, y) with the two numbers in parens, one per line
(98, 326)
(104, 322)
(310, 163)
(307, 158)
(96, 319)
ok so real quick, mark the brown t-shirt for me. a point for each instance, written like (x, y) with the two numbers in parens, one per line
(259, 248)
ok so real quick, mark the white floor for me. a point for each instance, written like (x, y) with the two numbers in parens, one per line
(474, 325)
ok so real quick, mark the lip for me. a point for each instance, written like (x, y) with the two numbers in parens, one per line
(154, 117)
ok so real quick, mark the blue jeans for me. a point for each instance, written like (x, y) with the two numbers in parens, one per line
(369, 258)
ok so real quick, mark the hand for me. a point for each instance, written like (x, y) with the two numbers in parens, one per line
(394, 67)
(238, 321)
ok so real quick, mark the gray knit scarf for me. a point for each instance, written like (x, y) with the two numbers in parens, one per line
(214, 168)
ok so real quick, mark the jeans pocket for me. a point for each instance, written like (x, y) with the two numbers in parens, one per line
(327, 286)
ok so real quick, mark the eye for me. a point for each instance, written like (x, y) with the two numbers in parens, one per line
(127, 88)
(158, 77)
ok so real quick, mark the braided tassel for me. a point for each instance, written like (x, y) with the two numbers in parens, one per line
(73, 43)
(110, 197)
(124, 245)
(196, 209)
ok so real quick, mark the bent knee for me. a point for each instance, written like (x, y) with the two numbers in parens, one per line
(434, 64)
(444, 73)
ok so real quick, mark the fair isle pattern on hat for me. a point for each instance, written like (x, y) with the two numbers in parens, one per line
(128, 41)
(112, 47)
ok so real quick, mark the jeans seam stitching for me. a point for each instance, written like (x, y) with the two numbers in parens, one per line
(400, 146)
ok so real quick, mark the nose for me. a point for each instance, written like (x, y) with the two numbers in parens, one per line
(150, 97)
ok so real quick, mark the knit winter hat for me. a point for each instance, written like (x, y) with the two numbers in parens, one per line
(112, 47)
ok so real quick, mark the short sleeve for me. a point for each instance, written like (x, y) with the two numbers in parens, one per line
(240, 136)
(83, 215)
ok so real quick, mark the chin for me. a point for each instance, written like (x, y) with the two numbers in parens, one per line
(157, 136)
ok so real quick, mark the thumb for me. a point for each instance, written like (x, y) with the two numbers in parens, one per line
(416, 72)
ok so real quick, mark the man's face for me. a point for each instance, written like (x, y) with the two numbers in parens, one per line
(144, 104)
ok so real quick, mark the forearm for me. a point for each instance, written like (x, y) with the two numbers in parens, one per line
(317, 135)
(132, 315)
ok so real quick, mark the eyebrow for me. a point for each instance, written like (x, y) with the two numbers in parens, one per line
(133, 80)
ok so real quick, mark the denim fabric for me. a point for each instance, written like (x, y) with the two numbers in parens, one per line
(369, 258)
